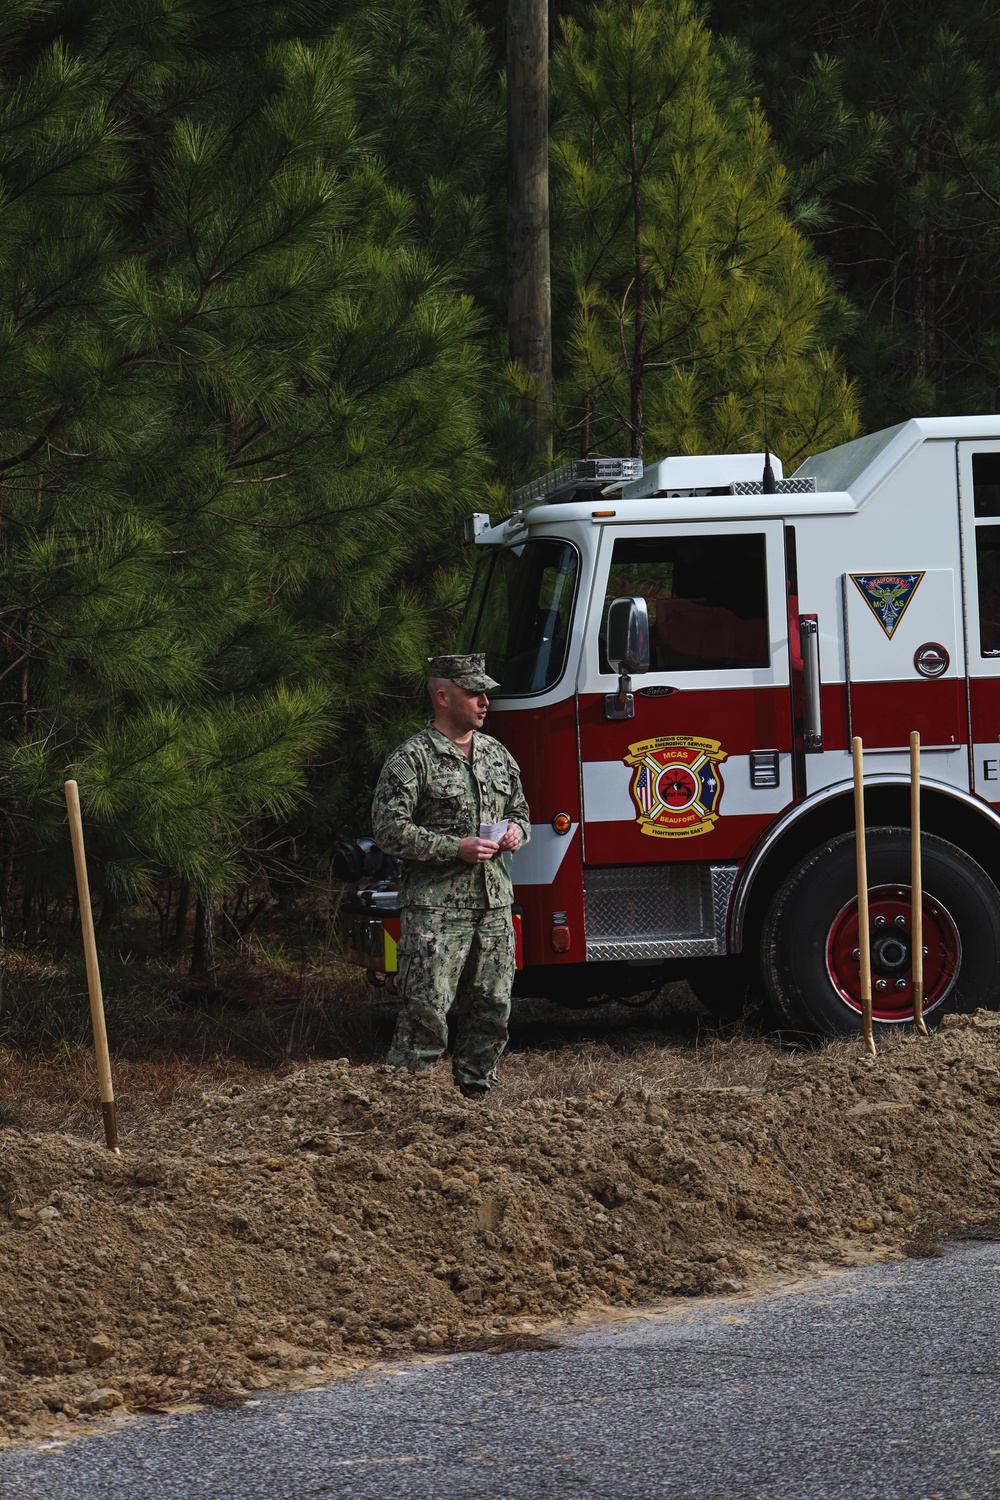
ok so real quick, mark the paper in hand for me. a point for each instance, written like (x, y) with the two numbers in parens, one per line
(493, 831)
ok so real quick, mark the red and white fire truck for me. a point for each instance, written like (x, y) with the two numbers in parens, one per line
(684, 653)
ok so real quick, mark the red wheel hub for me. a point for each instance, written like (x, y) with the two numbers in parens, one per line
(890, 933)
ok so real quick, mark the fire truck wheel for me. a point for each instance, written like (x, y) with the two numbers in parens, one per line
(810, 952)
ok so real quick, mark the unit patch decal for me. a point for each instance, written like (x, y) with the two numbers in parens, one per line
(887, 595)
(676, 785)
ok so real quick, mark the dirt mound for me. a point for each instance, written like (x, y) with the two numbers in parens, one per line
(257, 1236)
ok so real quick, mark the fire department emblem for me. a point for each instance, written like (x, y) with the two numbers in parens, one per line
(676, 785)
(887, 595)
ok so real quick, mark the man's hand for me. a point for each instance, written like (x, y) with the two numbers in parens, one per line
(474, 851)
(511, 839)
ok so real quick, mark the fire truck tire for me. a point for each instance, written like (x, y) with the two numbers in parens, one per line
(809, 941)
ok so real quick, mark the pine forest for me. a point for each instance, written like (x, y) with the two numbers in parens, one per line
(255, 370)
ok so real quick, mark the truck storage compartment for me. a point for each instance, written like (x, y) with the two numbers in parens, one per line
(657, 911)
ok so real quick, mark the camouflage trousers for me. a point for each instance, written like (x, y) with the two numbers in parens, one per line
(458, 964)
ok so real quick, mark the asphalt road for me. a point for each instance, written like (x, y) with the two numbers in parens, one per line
(883, 1384)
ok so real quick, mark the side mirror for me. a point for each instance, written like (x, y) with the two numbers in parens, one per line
(628, 635)
(628, 651)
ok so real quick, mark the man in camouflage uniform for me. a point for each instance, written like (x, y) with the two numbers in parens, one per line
(456, 947)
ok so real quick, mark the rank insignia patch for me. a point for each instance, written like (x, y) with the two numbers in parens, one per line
(676, 785)
(887, 595)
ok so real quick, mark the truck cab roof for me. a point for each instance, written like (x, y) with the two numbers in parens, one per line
(714, 486)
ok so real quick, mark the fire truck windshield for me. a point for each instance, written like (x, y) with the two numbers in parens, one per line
(519, 612)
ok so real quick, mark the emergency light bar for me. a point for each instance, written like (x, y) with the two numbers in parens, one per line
(581, 474)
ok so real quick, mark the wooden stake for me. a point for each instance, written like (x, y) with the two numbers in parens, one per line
(93, 971)
(916, 887)
(864, 936)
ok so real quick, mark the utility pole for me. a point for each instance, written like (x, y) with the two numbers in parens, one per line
(529, 310)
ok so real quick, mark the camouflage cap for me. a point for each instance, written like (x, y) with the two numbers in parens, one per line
(468, 672)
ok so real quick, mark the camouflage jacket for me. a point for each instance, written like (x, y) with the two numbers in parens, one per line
(429, 797)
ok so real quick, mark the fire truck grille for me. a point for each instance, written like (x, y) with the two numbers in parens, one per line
(657, 911)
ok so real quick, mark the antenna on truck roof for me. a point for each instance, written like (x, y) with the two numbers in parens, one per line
(768, 484)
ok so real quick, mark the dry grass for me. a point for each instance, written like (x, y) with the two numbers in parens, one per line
(271, 1007)
(262, 1015)
(262, 1019)
(61, 1094)
(666, 1052)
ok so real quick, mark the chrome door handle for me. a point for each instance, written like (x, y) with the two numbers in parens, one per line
(811, 685)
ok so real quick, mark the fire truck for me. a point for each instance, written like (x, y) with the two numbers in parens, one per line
(685, 651)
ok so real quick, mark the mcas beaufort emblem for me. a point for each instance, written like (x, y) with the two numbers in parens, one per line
(676, 786)
(887, 595)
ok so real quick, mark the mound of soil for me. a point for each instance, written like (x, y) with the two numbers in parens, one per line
(278, 1234)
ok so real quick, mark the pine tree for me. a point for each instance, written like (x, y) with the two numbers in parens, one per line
(697, 317)
(911, 218)
(430, 99)
(433, 103)
(236, 414)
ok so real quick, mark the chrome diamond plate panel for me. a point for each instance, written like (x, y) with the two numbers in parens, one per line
(657, 911)
(647, 902)
(781, 487)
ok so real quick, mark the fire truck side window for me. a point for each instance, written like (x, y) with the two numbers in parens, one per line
(519, 613)
(988, 563)
(706, 597)
(986, 483)
(986, 487)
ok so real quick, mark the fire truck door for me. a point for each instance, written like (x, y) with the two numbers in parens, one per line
(979, 491)
(904, 659)
(705, 764)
